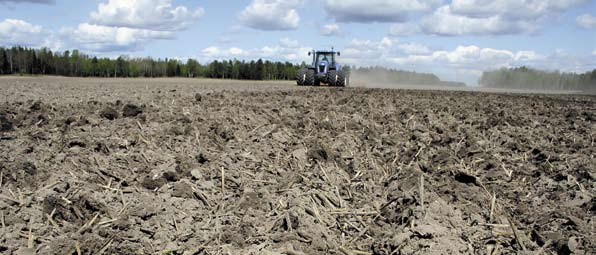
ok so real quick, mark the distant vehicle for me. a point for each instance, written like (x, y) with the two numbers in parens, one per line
(324, 69)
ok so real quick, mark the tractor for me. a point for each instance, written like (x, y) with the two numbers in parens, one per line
(324, 69)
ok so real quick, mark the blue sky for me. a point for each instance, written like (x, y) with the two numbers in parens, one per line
(456, 39)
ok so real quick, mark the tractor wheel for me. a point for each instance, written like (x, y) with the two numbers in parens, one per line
(301, 76)
(342, 79)
(333, 78)
(310, 78)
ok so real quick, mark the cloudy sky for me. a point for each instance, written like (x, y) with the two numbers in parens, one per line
(455, 39)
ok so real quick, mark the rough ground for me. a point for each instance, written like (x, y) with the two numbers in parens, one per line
(179, 166)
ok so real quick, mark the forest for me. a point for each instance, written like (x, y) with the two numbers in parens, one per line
(19, 60)
(29, 61)
(528, 78)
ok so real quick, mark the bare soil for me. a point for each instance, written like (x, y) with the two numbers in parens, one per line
(188, 166)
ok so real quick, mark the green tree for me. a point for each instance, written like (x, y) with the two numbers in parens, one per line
(192, 67)
(4, 65)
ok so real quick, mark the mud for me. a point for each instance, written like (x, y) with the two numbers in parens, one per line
(220, 167)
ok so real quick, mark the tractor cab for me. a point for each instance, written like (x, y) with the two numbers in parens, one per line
(323, 62)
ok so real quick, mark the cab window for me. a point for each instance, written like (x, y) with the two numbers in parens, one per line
(328, 57)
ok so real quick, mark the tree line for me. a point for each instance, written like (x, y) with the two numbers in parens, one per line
(528, 78)
(20, 60)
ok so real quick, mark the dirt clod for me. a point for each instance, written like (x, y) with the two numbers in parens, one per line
(171, 176)
(179, 130)
(151, 183)
(70, 120)
(465, 178)
(36, 106)
(109, 113)
(182, 189)
(131, 110)
(319, 152)
(29, 168)
(201, 158)
(5, 124)
(77, 209)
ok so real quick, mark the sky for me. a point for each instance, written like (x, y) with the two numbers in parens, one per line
(456, 40)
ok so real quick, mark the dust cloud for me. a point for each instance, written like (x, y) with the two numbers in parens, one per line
(368, 80)
(387, 80)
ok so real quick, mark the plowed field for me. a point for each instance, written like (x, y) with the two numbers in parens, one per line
(189, 166)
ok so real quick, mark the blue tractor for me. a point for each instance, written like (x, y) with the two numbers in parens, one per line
(324, 69)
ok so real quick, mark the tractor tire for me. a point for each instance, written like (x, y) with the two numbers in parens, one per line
(332, 78)
(310, 78)
(342, 78)
(301, 76)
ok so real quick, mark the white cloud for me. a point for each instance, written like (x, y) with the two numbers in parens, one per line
(330, 30)
(19, 32)
(413, 48)
(465, 63)
(236, 51)
(217, 53)
(462, 63)
(470, 61)
(567, 62)
(586, 21)
(376, 10)
(145, 14)
(288, 43)
(99, 38)
(404, 29)
(367, 52)
(482, 17)
(470, 57)
(271, 15)
(444, 22)
(211, 52)
(511, 9)
(116, 26)
(286, 50)
(128, 25)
